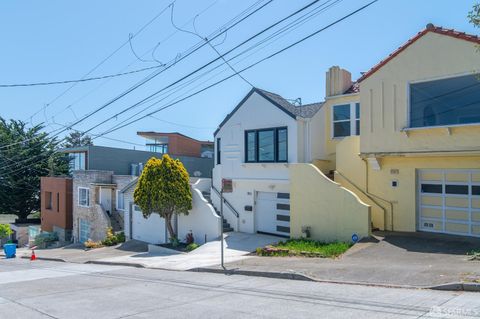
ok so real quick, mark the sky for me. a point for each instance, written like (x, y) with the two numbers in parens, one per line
(55, 40)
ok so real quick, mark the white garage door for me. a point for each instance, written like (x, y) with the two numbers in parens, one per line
(449, 201)
(272, 213)
(151, 230)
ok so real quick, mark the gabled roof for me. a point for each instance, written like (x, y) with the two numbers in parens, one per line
(294, 111)
(429, 28)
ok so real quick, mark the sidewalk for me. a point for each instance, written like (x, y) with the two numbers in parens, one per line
(237, 247)
(419, 261)
(76, 253)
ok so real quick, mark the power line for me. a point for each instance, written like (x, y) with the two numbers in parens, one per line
(174, 62)
(103, 61)
(207, 64)
(280, 33)
(78, 80)
(152, 50)
(248, 67)
(209, 44)
(234, 22)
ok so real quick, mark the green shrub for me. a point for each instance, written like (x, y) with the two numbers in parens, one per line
(5, 231)
(112, 239)
(192, 246)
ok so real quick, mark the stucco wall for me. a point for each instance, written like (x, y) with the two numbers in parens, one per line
(325, 140)
(384, 97)
(60, 214)
(351, 174)
(404, 170)
(332, 212)
(202, 220)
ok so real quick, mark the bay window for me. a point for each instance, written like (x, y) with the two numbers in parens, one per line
(444, 102)
(266, 145)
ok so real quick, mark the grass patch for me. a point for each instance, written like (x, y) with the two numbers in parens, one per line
(304, 247)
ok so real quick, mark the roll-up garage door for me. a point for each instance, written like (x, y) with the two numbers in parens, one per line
(449, 201)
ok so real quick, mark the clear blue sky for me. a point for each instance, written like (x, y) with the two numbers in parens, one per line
(60, 40)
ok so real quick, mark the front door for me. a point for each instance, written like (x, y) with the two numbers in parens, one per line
(84, 230)
(106, 199)
(272, 213)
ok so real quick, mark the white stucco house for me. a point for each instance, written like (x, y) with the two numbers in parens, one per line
(202, 220)
(254, 146)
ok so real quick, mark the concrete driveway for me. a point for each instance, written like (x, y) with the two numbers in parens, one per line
(237, 247)
(398, 259)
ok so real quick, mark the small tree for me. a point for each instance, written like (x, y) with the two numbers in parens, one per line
(164, 189)
(5, 231)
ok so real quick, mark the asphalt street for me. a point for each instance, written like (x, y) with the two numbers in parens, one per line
(42, 289)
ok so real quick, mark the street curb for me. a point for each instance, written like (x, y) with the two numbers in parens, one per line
(277, 275)
(470, 287)
(45, 258)
(458, 286)
(454, 286)
(113, 263)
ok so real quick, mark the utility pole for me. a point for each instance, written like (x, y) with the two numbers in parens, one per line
(221, 226)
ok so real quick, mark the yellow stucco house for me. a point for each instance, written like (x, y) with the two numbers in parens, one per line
(406, 136)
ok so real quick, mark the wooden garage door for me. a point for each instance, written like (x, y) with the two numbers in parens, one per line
(449, 201)
(272, 213)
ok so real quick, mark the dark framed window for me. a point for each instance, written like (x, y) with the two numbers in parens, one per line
(452, 101)
(219, 151)
(58, 202)
(266, 145)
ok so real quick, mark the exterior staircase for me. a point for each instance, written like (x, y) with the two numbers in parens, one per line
(226, 226)
(116, 220)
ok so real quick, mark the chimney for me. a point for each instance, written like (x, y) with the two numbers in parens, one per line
(337, 81)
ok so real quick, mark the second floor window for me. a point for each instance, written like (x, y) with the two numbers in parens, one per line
(219, 151)
(345, 120)
(451, 101)
(266, 145)
(158, 148)
(77, 161)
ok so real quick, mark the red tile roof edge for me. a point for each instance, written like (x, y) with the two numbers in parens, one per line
(429, 28)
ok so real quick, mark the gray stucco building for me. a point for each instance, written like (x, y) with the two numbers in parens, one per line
(128, 162)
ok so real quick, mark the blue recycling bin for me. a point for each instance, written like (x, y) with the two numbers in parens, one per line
(10, 250)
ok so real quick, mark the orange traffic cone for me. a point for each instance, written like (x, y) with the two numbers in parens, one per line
(33, 257)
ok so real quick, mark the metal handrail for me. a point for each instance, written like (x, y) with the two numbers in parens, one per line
(234, 211)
